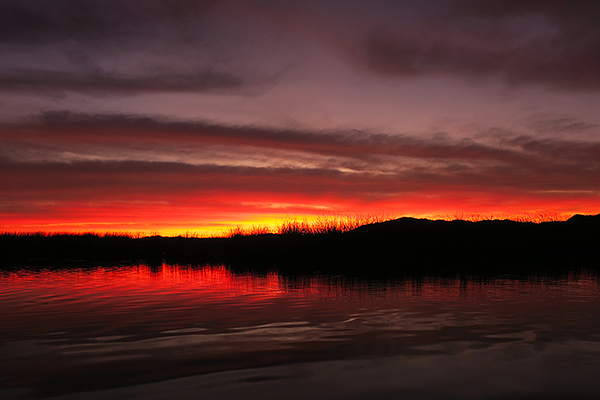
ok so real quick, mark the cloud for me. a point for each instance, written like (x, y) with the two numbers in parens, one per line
(143, 180)
(552, 43)
(178, 45)
(557, 150)
(103, 82)
(89, 128)
(125, 47)
(63, 127)
(562, 125)
(66, 166)
(176, 183)
(37, 21)
(348, 165)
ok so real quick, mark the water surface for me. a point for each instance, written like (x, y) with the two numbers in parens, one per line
(206, 332)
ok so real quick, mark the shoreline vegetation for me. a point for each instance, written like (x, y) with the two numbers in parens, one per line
(344, 245)
(318, 225)
(341, 224)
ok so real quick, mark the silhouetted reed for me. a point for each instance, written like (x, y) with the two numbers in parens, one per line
(322, 225)
(537, 217)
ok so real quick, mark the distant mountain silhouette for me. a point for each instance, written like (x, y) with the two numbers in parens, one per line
(405, 245)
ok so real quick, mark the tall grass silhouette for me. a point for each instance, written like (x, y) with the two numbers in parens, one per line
(320, 226)
(128, 235)
(535, 217)
(339, 224)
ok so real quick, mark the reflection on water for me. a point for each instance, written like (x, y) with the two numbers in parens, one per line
(174, 331)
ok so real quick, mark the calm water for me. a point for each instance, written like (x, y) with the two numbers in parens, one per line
(177, 332)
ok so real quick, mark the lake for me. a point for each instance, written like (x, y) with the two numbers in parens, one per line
(184, 332)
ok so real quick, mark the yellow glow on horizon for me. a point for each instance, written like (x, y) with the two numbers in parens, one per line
(272, 223)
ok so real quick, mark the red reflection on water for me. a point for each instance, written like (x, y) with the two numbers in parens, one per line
(165, 279)
(210, 283)
(119, 300)
(107, 299)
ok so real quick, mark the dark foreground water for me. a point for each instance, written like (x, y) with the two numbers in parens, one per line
(175, 332)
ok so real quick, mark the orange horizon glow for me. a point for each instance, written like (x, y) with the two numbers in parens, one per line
(217, 213)
(128, 223)
(262, 177)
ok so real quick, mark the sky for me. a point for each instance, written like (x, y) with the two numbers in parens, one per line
(173, 116)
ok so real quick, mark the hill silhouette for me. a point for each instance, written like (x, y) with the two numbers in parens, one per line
(401, 246)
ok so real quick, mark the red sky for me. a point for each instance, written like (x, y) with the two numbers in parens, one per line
(195, 116)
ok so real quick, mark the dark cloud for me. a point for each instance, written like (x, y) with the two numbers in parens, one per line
(565, 13)
(383, 165)
(103, 82)
(498, 38)
(558, 150)
(561, 126)
(119, 47)
(64, 127)
(110, 180)
(555, 43)
(39, 21)
(128, 180)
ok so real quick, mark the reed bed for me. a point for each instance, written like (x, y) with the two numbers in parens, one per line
(320, 226)
(535, 217)
(129, 235)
